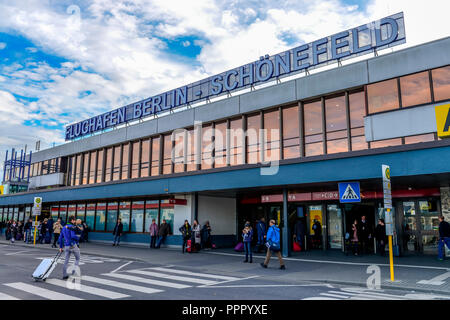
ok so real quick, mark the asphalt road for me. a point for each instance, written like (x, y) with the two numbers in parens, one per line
(172, 276)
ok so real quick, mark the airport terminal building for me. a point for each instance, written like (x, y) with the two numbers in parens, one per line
(312, 132)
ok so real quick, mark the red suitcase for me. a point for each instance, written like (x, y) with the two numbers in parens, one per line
(189, 246)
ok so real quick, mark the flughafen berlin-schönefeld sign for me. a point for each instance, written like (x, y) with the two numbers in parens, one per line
(377, 35)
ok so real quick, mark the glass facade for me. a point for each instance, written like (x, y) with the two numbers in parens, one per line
(441, 83)
(145, 159)
(313, 128)
(336, 124)
(90, 215)
(291, 133)
(253, 138)
(111, 216)
(125, 155)
(415, 89)
(124, 214)
(383, 96)
(271, 136)
(137, 216)
(151, 212)
(100, 217)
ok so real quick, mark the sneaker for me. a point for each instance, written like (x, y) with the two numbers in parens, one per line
(282, 267)
(263, 265)
(65, 277)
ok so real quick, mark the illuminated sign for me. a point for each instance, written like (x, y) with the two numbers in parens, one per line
(377, 35)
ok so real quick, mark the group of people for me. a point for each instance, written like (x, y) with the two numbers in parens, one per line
(47, 229)
(361, 234)
(200, 237)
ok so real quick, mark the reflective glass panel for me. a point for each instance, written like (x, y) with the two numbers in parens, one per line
(145, 157)
(291, 142)
(100, 217)
(441, 83)
(253, 143)
(151, 212)
(111, 217)
(137, 216)
(383, 96)
(124, 214)
(415, 89)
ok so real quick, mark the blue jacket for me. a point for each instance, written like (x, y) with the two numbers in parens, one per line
(273, 234)
(68, 236)
(261, 228)
(247, 237)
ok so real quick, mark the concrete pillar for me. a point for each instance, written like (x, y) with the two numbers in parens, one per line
(285, 242)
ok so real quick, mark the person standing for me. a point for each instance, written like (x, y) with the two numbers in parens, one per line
(365, 233)
(153, 233)
(196, 236)
(27, 230)
(355, 237)
(273, 245)
(299, 233)
(50, 224)
(444, 237)
(43, 231)
(117, 232)
(247, 237)
(56, 232)
(164, 231)
(206, 236)
(85, 232)
(69, 240)
(13, 231)
(185, 230)
(380, 236)
(19, 231)
(261, 232)
(317, 228)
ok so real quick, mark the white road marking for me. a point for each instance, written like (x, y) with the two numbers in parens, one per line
(334, 295)
(195, 274)
(436, 281)
(88, 289)
(171, 277)
(147, 281)
(38, 291)
(17, 252)
(4, 296)
(126, 264)
(319, 298)
(121, 285)
(267, 285)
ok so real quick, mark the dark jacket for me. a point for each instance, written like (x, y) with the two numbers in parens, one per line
(50, 225)
(186, 231)
(164, 229)
(247, 237)
(317, 228)
(206, 232)
(261, 228)
(380, 233)
(299, 229)
(444, 229)
(44, 228)
(364, 230)
(118, 229)
(28, 225)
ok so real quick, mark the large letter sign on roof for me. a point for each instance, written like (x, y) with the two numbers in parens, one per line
(377, 35)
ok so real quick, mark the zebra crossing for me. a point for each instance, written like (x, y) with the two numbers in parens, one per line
(85, 259)
(112, 285)
(368, 294)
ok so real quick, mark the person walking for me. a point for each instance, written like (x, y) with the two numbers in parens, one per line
(164, 231)
(153, 234)
(13, 231)
(380, 236)
(355, 237)
(247, 237)
(117, 232)
(186, 231)
(206, 236)
(365, 233)
(56, 231)
(444, 237)
(261, 232)
(196, 236)
(27, 230)
(273, 245)
(69, 241)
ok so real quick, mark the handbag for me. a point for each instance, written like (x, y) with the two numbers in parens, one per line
(274, 246)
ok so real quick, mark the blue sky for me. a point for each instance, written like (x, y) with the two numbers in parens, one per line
(63, 61)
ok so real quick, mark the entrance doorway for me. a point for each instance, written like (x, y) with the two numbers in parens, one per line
(421, 225)
(355, 211)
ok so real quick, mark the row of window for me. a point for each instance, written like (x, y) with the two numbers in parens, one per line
(326, 125)
(136, 216)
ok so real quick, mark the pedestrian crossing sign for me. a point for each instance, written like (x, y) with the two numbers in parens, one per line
(349, 192)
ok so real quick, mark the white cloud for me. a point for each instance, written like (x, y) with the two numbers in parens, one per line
(2, 45)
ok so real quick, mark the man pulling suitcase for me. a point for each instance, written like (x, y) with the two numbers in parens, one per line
(69, 240)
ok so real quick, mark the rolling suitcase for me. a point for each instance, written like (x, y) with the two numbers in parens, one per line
(45, 268)
(189, 246)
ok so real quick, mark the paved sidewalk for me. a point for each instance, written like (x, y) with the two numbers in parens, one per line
(421, 273)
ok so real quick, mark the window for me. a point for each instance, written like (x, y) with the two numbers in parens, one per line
(191, 156)
(155, 156)
(111, 216)
(151, 212)
(253, 142)
(179, 152)
(78, 170)
(145, 157)
(336, 125)
(207, 146)
(92, 167)
(383, 96)
(124, 214)
(90, 215)
(271, 136)
(415, 89)
(108, 164)
(100, 217)
(419, 138)
(72, 211)
(167, 154)
(220, 145)
(291, 142)
(167, 213)
(135, 160)
(27, 212)
(386, 143)
(54, 210)
(441, 83)
(99, 166)
(357, 114)
(125, 155)
(63, 213)
(137, 216)
(236, 137)
(81, 211)
(85, 168)
(313, 128)
(21, 213)
(116, 162)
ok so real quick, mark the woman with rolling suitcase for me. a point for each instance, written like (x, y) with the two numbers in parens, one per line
(185, 230)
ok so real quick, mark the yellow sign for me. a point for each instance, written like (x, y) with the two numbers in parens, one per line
(387, 173)
(315, 213)
(443, 120)
(1, 190)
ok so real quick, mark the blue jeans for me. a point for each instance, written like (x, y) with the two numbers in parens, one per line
(27, 235)
(248, 250)
(443, 241)
(117, 239)
(161, 240)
